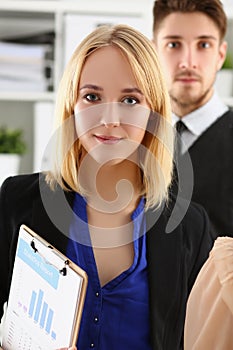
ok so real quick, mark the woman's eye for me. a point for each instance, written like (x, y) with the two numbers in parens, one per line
(91, 97)
(130, 100)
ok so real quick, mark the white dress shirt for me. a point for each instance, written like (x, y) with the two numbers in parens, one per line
(200, 120)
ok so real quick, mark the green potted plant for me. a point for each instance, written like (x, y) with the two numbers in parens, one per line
(12, 146)
(228, 63)
(11, 141)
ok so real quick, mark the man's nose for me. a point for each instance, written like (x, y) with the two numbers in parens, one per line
(188, 59)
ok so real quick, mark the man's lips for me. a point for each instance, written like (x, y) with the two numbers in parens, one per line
(187, 78)
(107, 139)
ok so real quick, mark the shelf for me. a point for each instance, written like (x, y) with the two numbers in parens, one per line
(72, 6)
(27, 96)
(13, 25)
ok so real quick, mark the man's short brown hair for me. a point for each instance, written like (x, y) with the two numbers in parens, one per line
(212, 8)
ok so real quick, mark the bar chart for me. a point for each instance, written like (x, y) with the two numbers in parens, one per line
(41, 313)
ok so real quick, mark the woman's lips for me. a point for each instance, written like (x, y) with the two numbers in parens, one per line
(107, 139)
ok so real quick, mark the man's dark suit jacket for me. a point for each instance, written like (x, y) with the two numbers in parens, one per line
(174, 259)
(212, 161)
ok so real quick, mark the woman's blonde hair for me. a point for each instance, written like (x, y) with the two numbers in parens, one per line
(158, 140)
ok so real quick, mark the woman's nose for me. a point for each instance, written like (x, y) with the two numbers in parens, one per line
(110, 115)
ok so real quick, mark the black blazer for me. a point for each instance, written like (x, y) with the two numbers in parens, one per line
(174, 259)
(212, 161)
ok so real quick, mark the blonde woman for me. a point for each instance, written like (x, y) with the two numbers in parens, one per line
(105, 202)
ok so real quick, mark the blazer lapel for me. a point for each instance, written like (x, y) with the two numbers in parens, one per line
(52, 214)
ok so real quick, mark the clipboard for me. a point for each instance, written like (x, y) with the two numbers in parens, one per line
(46, 297)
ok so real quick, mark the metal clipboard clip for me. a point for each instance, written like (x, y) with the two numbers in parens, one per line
(62, 271)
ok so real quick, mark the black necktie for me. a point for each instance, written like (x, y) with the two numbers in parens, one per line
(180, 128)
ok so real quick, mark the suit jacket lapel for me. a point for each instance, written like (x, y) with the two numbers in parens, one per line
(52, 214)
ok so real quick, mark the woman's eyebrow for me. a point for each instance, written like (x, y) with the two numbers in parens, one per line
(91, 86)
(130, 90)
(98, 88)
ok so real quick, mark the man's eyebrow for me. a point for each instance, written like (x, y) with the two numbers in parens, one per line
(172, 37)
(92, 87)
(203, 37)
(179, 37)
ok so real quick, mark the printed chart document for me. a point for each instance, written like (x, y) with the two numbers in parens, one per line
(46, 297)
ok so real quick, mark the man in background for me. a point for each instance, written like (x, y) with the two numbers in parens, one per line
(189, 38)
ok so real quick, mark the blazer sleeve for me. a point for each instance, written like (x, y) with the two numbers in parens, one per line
(201, 244)
(21, 203)
(16, 194)
(5, 243)
(174, 261)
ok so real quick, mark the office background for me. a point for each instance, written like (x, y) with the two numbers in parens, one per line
(37, 37)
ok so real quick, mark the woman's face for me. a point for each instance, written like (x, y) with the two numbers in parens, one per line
(111, 113)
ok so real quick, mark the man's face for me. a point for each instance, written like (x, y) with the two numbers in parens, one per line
(190, 51)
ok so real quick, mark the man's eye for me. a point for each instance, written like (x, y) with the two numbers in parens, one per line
(173, 45)
(130, 100)
(91, 97)
(204, 45)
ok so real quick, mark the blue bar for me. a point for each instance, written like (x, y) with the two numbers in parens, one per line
(49, 321)
(53, 335)
(43, 315)
(32, 304)
(38, 306)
